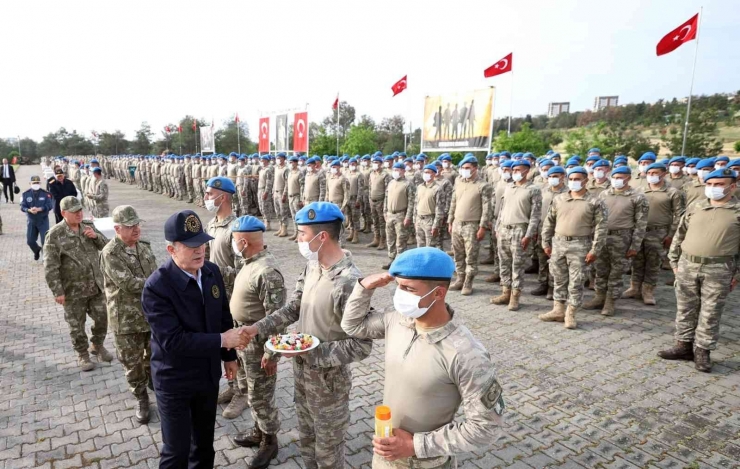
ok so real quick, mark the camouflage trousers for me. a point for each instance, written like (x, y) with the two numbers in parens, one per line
(236, 205)
(424, 236)
(646, 265)
(134, 352)
(493, 250)
(189, 189)
(701, 295)
(282, 209)
(376, 212)
(266, 207)
(322, 406)
(243, 204)
(365, 211)
(512, 259)
(352, 213)
(465, 247)
(441, 462)
(260, 388)
(252, 199)
(102, 209)
(75, 313)
(567, 265)
(610, 262)
(543, 274)
(294, 202)
(396, 234)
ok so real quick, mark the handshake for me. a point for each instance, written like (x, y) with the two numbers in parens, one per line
(238, 338)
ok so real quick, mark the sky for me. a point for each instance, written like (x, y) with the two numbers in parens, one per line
(104, 66)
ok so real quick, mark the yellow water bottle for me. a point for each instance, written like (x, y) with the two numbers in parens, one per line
(383, 424)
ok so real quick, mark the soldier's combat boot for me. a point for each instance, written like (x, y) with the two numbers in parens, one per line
(84, 362)
(101, 352)
(503, 298)
(490, 260)
(236, 406)
(267, 452)
(295, 235)
(280, 230)
(597, 302)
(142, 409)
(450, 252)
(534, 268)
(541, 290)
(224, 397)
(701, 360)
(634, 291)
(355, 237)
(387, 265)
(374, 243)
(647, 294)
(493, 278)
(283, 231)
(382, 244)
(550, 293)
(458, 283)
(608, 309)
(249, 440)
(514, 300)
(570, 317)
(267, 225)
(556, 314)
(680, 351)
(467, 288)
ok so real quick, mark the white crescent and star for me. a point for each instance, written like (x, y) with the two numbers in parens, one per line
(505, 63)
(301, 127)
(681, 38)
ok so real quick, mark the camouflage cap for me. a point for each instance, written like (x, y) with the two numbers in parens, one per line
(126, 215)
(70, 204)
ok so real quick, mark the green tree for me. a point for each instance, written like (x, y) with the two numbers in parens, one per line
(321, 143)
(701, 140)
(142, 144)
(390, 134)
(524, 140)
(360, 140)
(114, 143)
(737, 146)
(226, 137)
(346, 119)
(610, 140)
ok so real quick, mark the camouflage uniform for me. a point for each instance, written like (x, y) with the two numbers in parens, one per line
(356, 192)
(543, 274)
(446, 200)
(187, 169)
(219, 250)
(314, 186)
(712, 233)
(296, 186)
(264, 192)
(569, 246)
(378, 183)
(99, 196)
(322, 377)
(466, 220)
(259, 291)
(622, 237)
(72, 269)
(398, 206)
(125, 270)
(280, 194)
(430, 207)
(693, 191)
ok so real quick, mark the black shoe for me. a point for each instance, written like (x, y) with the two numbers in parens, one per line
(680, 351)
(142, 410)
(701, 360)
(533, 269)
(541, 290)
(267, 452)
(36, 255)
(249, 440)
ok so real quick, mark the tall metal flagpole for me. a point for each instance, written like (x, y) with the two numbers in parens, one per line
(511, 100)
(238, 141)
(308, 133)
(691, 89)
(337, 125)
(490, 128)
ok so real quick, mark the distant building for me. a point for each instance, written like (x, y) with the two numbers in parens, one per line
(601, 102)
(556, 108)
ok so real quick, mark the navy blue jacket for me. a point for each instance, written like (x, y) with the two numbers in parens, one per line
(40, 199)
(186, 327)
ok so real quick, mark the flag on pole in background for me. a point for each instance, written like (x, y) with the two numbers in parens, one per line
(236, 119)
(264, 140)
(502, 66)
(300, 132)
(399, 86)
(336, 103)
(167, 129)
(195, 125)
(673, 40)
(179, 129)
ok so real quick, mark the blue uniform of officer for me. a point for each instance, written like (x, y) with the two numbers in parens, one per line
(36, 203)
(186, 306)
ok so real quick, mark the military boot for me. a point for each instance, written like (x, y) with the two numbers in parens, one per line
(503, 298)
(514, 300)
(355, 237)
(450, 253)
(541, 290)
(267, 452)
(224, 397)
(267, 225)
(701, 360)
(382, 244)
(490, 260)
(550, 293)
(280, 230)
(570, 317)
(634, 291)
(283, 231)
(680, 351)
(293, 238)
(647, 294)
(84, 362)
(534, 268)
(597, 302)
(387, 265)
(249, 440)
(374, 243)
(236, 406)
(467, 288)
(493, 278)
(608, 309)
(458, 283)
(556, 314)
(101, 352)
(142, 409)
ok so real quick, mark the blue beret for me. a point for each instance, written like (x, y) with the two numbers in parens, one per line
(365, 157)
(318, 212)
(185, 227)
(665, 161)
(97, 170)
(677, 159)
(489, 156)
(222, 183)
(721, 173)
(281, 155)
(521, 163)
(241, 158)
(577, 170)
(574, 161)
(403, 153)
(399, 165)
(594, 150)
(555, 155)
(556, 170)
(705, 163)
(302, 158)
(265, 157)
(546, 162)
(247, 224)
(620, 159)
(408, 160)
(377, 159)
(445, 157)
(657, 166)
(352, 160)
(437, 163)
(505, 153)
(734, 163)
(388, 158)
(378, 153)
(293, 159)
(425, 263)
(422, 155)
(420, 159)
(233, 153)
(724, 158)
(94, 160)
(507, 164)
(469, 159)
(593, 158)
(648, 156)
(87, 165)
(335, 163)
(431, 167)
(602, 163)
(693, 161)
(528, 155)
(394, 154)
(622, 170)
(549, 152)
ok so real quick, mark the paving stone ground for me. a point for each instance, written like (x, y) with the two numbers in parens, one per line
(594, 397)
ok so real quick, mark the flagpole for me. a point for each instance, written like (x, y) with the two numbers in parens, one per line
(490, 129)
(308, 133)
(337, 125)
(691, 88)
(238, 141)
(511, 100)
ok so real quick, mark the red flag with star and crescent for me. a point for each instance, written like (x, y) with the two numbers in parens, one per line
(195, 125)
(264, 141)
(336, 103)
(236, 119)
(300, 132)
(502, 66)
(683, 34)
(167, 129)
(399, 86)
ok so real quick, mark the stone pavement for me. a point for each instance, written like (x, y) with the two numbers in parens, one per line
(594, 397)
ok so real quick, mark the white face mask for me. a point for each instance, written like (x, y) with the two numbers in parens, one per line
(427, 177)
(408, 168)
(211, 204)
(334, 170)
(692, 170)
(309, 169)
(235, 248)
(575, 186)
(387, 164)
(589, 169)
(617, 183)
(598, 174)
(505, 176)
(643, 168)
(445, 164)
(553, 181)
(465, 173)
(35, 186)
(305, 250)
(376, 166)
(652, 179)
(345, 165)
(719, 166)
(353, 168)
(300, 163)
(674, 169)
(704, 173)
(489, 162)
(407, 304)
(517, 177)
(714, 193)
(396, 174)
(363, 163)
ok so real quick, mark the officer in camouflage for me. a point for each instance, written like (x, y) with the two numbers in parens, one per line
(398, 209)
(98, 194)
(126, 262)
(72, 270)
(356, 193)
(378, 181)
(265, 181)
(430, 207)
(280, 195)
(296, 185)
(555, 185)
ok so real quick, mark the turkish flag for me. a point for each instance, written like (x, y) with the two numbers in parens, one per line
(684, 33)
(237, 118)
(300, 132)
(399, 86)
(179, 129)
(336, 103)
(264, 145)
(195, 125)
(167, 129)
(502, 66)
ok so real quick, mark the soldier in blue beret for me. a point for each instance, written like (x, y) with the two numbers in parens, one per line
(398, 211)
(676, 176)
(599, 180)
(377, 184)
(555, 158)
(573, 162)
(721, 162)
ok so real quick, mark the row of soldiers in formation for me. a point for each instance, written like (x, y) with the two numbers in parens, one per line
(89, 180)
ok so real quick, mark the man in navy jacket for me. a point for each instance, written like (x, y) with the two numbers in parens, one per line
(36, 203)
(185, 303)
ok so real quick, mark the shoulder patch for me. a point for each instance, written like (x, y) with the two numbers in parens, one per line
(215, 291)
(492, 398)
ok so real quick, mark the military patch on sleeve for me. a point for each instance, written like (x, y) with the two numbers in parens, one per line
(492, 398)
(215, 291)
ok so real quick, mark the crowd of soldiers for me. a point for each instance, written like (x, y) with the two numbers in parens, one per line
(89, 178)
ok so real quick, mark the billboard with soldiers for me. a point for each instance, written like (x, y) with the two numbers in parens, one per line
(207, 140)
(458, 122)
(281, 132)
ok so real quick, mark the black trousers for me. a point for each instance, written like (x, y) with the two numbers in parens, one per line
(7, 188)
(188, 422)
